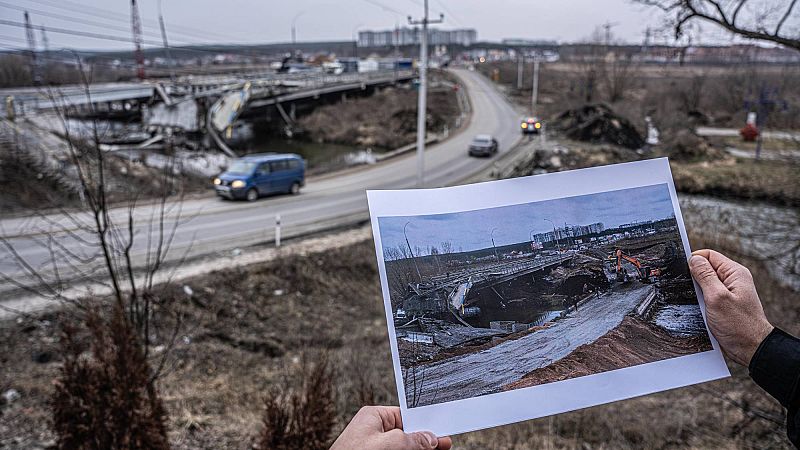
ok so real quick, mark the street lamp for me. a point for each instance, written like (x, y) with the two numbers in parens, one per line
(413, 258)
(491, 235)
(355, 39)
(294, 26)
(555, 234)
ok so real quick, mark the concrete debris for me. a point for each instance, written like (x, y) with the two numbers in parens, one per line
(277, 292)
(187, 290)
(687, 146)
(11, 396)
(598, 123)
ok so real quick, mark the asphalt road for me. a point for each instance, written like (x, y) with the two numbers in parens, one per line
(209, 225)
(488, 371)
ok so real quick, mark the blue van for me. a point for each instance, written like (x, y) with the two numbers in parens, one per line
(260, 174)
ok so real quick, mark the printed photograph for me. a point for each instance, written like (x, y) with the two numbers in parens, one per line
(504, 298)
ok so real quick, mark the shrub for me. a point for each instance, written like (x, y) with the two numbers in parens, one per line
(107, 401)
(302, 418)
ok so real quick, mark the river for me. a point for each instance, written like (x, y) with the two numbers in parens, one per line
(761, 230)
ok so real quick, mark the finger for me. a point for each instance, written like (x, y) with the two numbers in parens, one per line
(718, 260)
(421, 440)
(445, 443)
(390, 417)
(705, 275)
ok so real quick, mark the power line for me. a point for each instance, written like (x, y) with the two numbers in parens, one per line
(88, 34)
(75, 7)
(67, 18)
(384, 7)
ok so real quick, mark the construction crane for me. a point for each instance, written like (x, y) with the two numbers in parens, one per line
(136, 25)
(644, 272)
(32, 50)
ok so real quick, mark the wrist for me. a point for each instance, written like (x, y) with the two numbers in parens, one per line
(758, 336)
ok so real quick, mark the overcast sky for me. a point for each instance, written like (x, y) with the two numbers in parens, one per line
(472, 230)
(265, 21)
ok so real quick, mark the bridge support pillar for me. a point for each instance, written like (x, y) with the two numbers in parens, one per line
(293, 112)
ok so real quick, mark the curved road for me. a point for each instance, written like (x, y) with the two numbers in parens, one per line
(208, 225)
(488, 371)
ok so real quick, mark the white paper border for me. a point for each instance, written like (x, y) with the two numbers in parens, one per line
(502, 408)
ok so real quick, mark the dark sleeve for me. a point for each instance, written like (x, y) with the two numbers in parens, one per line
(776, 368)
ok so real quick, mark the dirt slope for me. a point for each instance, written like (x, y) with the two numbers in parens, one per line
(631, 343)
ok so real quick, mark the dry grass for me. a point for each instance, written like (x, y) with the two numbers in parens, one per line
(216, 388)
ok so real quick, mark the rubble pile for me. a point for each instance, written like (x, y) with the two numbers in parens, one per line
(687, 146)
(598, 123)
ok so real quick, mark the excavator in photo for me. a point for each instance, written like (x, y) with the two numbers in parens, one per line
(645, 273)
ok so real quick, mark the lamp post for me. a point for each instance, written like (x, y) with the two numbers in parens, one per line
(555, 234)
(491, 235)
(355, 39)
(294, 26)
(413, 258)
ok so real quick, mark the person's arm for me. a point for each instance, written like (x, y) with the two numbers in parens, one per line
(736, 318)
(776, 368)
(381, 428)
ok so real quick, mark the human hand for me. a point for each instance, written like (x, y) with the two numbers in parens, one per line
(733, 309)
(381, 428)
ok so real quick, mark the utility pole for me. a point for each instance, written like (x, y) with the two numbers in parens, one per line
(423, 88)
(34, 64)
(396, 50)
(520, 59)
(413, 258)
(166, 44)
(535, 87)
(491, 235)
(45, 41)
(136, 26)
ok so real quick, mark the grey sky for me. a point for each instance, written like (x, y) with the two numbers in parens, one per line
(254, 21)
(472, 229)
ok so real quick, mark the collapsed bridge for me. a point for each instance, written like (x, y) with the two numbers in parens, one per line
(457, 291)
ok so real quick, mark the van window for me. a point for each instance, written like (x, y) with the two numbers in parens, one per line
(294, 164)
(263, 169)
(278, 166)
(242, 167)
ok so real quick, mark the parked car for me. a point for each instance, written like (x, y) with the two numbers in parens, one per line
(483, 145)
(255, 175)
(530, 125)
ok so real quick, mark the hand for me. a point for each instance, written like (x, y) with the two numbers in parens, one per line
(381, 428)
(734, 312)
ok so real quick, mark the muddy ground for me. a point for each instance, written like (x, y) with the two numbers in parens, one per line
(249, 329)
(678, 99)
(776, 182)
(385, 120)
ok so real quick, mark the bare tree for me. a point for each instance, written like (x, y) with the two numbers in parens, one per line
(771, 21)
(618, 76)
(92, 249)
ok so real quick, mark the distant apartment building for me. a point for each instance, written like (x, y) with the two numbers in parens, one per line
(412, 36)
(568, 231)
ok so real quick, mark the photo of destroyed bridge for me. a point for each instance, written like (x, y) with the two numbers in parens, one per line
(509, 297)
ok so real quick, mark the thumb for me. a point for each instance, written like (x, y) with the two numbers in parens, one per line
(422, 440)
(705, 275)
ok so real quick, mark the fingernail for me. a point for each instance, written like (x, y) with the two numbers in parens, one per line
(695, 260)
(432, 439)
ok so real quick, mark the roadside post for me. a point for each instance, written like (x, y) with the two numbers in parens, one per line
(277, 231)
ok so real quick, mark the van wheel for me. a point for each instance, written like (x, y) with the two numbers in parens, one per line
(295, 189)
(252, 195)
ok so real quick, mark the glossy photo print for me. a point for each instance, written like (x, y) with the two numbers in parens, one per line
(505, 299)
